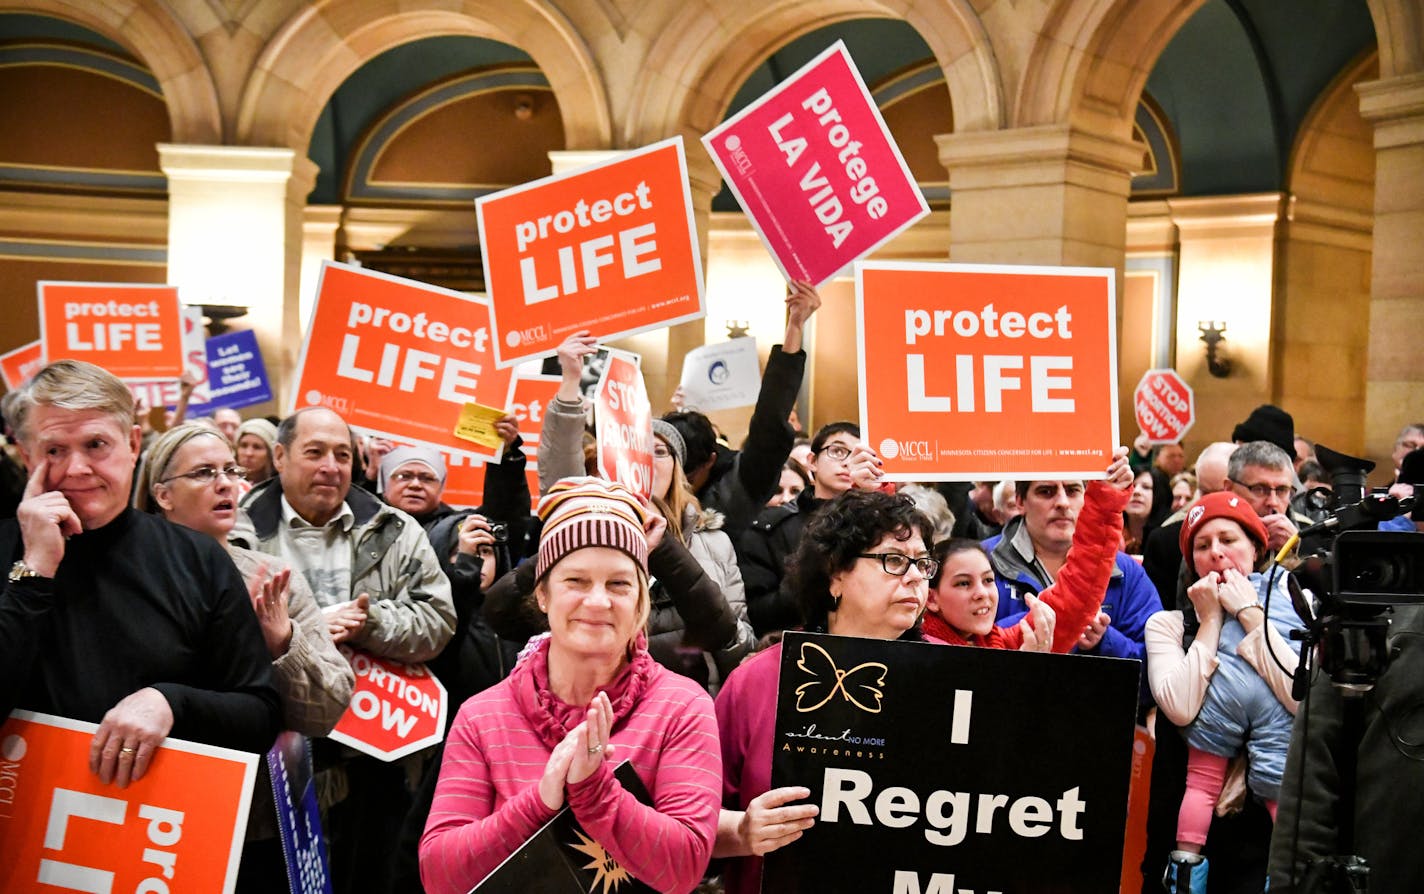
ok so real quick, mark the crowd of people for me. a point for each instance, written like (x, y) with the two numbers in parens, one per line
(195, 578)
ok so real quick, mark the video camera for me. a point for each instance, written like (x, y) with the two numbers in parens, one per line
(1356, 572)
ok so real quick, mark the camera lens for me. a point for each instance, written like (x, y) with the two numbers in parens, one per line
(500, 532)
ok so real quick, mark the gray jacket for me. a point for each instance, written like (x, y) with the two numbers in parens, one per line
(411, 615)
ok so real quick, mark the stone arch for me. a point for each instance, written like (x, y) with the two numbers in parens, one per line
(1333, 158)
(314, 52)
(703, 56)
(162, 43)
(1399, 27)
(1091, 60)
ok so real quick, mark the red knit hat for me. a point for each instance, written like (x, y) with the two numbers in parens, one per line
(580, 512)
(1222, 504)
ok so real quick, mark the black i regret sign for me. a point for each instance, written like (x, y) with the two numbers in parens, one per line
(952, 770)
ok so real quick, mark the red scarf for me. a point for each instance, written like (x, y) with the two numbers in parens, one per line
(550, 716)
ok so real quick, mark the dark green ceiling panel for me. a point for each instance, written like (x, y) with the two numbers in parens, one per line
(381, 83)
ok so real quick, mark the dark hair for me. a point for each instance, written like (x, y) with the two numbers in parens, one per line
(953, 547)
(1021, 487)
(837, 534)
(697, 433)
(829, 431)
(792, 465)
(287, 429)
(1312, 469)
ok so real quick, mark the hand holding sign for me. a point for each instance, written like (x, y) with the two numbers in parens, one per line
(802, 300)
(864, 467)
(771, 822)
(131, 731)
(1037, 625)
(1120, 474)
(46, 520)
(571, 353)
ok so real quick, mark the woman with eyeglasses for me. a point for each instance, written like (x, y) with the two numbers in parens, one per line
(963, 599)
(189, 477)
(861, 569)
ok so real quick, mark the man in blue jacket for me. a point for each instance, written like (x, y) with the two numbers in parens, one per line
(1033, 547)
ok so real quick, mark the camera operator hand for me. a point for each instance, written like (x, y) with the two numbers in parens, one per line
(474, 532)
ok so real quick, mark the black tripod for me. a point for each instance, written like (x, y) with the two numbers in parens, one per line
(1354, 653)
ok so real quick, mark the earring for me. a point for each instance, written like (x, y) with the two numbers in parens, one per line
(835, 603)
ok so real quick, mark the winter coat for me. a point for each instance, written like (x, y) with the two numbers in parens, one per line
(765, 549)
(411, 615)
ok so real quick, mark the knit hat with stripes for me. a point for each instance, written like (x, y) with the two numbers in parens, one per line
(583, 512)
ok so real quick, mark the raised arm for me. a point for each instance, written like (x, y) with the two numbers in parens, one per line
(561, 438)
(1078, 592)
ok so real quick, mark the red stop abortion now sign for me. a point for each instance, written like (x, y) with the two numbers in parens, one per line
(1164, 405)
(396, 709)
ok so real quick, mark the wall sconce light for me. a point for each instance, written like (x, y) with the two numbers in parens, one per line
(737, 328)
(216, 316)
(1213, 332)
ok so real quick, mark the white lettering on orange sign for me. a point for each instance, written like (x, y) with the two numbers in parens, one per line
(824, 201)
(393, 365)
(994, 371)
(165, 829)
(637, 246)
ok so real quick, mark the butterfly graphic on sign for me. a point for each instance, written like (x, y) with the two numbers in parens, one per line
(862, 685)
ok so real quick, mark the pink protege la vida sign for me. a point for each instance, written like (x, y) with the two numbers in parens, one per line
(813, 165)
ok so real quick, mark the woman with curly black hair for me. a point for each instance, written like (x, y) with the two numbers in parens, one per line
(860, 570)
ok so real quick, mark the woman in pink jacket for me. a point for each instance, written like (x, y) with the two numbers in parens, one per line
(581, 700)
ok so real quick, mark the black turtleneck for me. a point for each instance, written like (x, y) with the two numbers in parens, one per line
(139, 602)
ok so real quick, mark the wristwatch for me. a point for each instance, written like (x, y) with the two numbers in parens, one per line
(20, 571)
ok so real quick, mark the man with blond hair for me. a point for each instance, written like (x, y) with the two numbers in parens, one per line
(115, 616)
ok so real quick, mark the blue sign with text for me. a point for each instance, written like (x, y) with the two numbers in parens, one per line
(237, 377)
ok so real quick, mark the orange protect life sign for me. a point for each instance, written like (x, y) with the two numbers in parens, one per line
(611, 248)
(180, 828)
(18, 365)
(398, 358)
(132, 330)
(986, 372)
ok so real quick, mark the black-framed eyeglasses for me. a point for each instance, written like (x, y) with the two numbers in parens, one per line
(836, 452)
(899, 564)
(1262, 491)
(209, 474)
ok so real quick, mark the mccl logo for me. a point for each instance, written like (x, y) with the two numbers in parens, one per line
(891, 449)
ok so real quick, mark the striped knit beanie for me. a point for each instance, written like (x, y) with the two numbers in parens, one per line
(583, 512)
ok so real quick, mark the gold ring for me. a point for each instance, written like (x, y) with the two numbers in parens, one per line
(126, 750)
